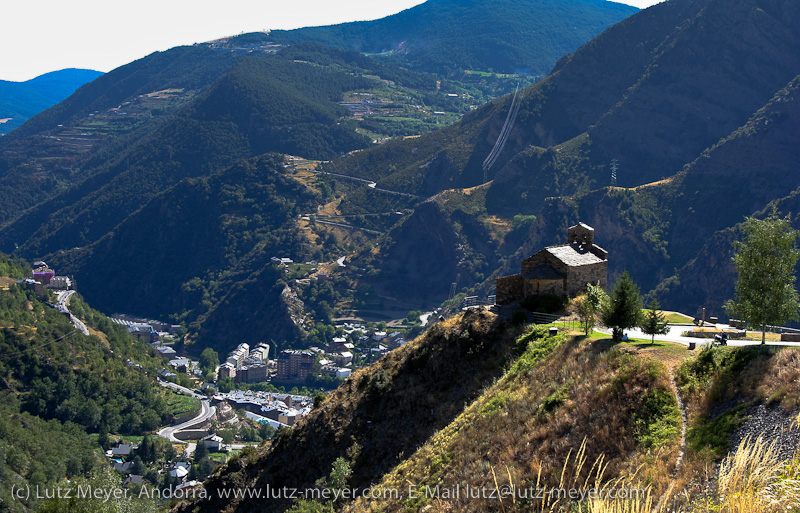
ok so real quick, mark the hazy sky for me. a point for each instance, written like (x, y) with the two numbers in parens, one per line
(47, 35)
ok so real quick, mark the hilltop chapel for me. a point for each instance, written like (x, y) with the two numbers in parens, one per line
(564, 270)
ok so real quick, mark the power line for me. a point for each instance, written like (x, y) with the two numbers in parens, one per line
(16, 353)
(513, 110)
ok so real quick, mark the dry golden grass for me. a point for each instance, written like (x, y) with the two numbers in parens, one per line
(537, 427)
(753, 479)
(756, 335)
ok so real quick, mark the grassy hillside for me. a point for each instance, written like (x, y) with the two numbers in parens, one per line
(557, 412)
(421, 416)
(380, 415)
(564, 405)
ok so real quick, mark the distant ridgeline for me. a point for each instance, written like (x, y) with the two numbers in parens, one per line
(444, 36)
(20, 101)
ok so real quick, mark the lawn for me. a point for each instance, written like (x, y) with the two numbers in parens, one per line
(677, 318)
(664, 350)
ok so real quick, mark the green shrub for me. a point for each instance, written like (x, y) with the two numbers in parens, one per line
(658, 420)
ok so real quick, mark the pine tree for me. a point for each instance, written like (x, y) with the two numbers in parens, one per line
(623, 309)
(654, 322)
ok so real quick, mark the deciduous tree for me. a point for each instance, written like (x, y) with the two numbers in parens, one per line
(589, 305)
(765, 263)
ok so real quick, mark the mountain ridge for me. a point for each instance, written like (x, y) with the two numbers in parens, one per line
(22, 100)
(562, 179)
(422, 36)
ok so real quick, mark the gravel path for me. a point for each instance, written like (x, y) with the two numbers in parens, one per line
(773, 424)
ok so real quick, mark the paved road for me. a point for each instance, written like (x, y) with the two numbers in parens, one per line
(425, 317)
(370, 184)
(63, 297)
(206, 411)
(367, 230)
(178, 388)
(674, 335)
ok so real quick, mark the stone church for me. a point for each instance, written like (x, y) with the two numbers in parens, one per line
(564, 270)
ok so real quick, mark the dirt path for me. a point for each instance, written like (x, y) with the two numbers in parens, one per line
(682, 452)
(681, 406)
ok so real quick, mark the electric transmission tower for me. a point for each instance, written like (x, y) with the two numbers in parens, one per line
(614, 167)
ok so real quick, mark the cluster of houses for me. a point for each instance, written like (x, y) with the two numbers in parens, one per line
(278, 410)
(161, 336)
(157, 333)
(246, 366)
(44, 277)
(120, 460)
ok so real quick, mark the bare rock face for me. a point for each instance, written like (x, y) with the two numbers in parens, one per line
(294, 307)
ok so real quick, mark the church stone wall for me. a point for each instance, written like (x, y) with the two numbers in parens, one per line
(509, 288)
(579, 277)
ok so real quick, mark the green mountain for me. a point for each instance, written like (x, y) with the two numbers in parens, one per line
(112, 161)
(105, 178)
(86, 182)
(446, 36)
(432, 214)
(478, 403)
(20, 101)
(62, 392)
(204, 246)
(698, 113)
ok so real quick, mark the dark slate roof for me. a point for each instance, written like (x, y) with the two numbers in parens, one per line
(543, 272)
(573, 256)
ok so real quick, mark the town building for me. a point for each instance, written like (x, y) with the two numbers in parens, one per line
(35, 286)
(251, 373)
(293, 364)
(212, 442)
(42, 273)
(165, 374)
(238, 355)
(166, 351)
(227, 370)
(344, 357)
(261, 352)
(563, 270)
(60, 283)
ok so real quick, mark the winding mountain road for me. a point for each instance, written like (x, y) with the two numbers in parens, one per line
(206, 411)
(63, 297)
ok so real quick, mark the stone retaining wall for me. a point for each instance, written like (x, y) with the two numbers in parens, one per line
(732, 335)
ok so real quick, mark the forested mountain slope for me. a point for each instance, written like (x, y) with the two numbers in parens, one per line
(447, 35)
(58, 386)
(681, 83)
(20, 101)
